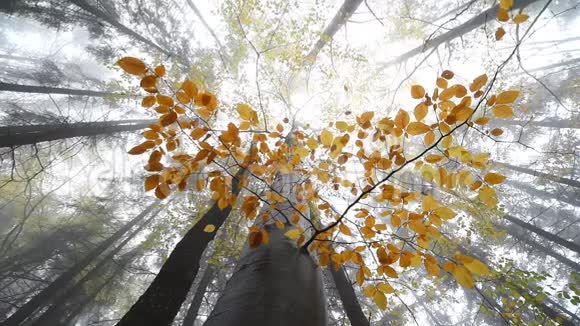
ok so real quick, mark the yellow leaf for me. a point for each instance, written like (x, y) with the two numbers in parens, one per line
(245, 111)
(380, 300)
(417, 128)
(429, 138)
(496, 132)
(420, 111)
(151, 182)
(326, 138)
(190, 88)
(433, 158)
(503, 111)
(506, 4)
(417, 91)
(477, 267)
(445, 213)
(341, 125)
(488, 196)
(160, 71)
(463, 277)
(402, 119)
(164, 100)
(385, 288)
(482, 121)
(478, 83)
(293, 234)
(499, 33)
(494, 178)
(429, 203)
(312, 143)
(507, 97)
(132, 66)
(502, 15)
(344, 229)
(209, 228)
(148, 101)
(521, 18)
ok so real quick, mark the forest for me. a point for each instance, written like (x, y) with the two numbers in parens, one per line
(269, 162)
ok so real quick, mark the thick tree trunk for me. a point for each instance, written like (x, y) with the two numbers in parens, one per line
(26, 135)
(7, 87)
(44, 297)
(344, 13)
(547, 235)
(162, 300)
(518, 234)
(484, 17)
(274, 284)
(566, 181)
(120, 27)
(195, 304)
(348, 297)
(558, 124)
(61, 303)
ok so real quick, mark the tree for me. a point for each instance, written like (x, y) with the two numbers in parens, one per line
(53, 90)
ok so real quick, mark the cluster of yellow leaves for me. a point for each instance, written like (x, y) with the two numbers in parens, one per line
(320, 158)
(503, 16)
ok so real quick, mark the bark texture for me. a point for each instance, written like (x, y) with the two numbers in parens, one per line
(545, 234)
(32, 134)
(274, 284)
(163, 298)
(566, 181)
(195, 304)
(348, 297)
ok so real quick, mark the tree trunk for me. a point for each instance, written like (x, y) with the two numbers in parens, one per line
(348, 297)
(195, 304)
(25, 135)
(550, 236)
(484, 17)
(560, 195)
(344, 13)
(44, 297)
(163, 298)
(7, 87)
(52, 315)
(273, 284)
(566, 181)
(526, 239)
(122, 28)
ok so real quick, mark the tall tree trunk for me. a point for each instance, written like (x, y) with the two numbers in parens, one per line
(44, 297)
(61, 303)
(274, 284)
(25, 135)
(8, 87)
(120, 27)
(198, 296)
(484, 17)
(163, 298)
(518, 234)
(348, 296)
(566, 181)
(344, 13)
(549, 123)
(571, 199)
(547, 235)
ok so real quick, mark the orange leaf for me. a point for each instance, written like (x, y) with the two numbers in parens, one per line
(132, 66)
(417, 128)
(151, 182)
(417, 91)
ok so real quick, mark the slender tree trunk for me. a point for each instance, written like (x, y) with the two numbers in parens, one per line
(547, 235)
(163, 298)
(51, 316)
(195, 304)
(120, 27)
(7, 87)
(26, 135)
(518, 234)
(556, 65)
(344, 13)
(559, 195)
(44, 297)
(558, 124)
(348, 296)
(274, 284)
(566, 181)
(484, 17)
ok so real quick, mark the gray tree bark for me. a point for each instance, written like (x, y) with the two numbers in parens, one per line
(7, 87)
(562, 180)
(348, 297)
(195, 304)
